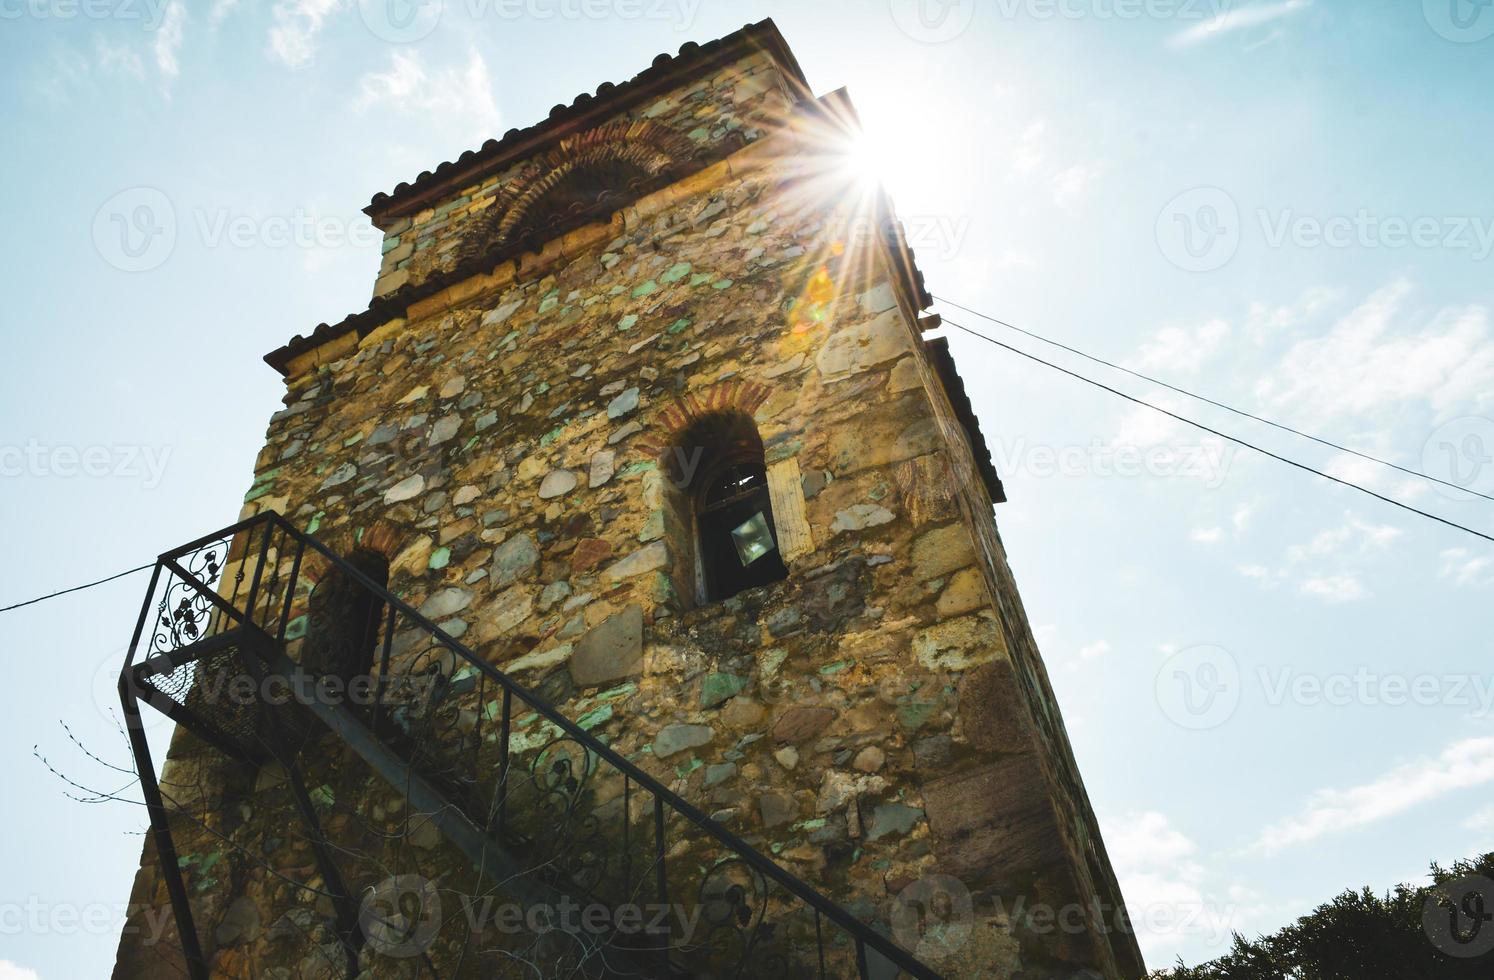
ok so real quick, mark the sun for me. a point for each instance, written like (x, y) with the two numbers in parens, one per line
(867, 160)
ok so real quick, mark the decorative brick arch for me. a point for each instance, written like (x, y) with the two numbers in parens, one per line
(383, 537)
(581, 177)
(674, 420)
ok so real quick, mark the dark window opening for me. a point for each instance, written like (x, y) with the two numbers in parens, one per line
(343, 620)
(736, 539)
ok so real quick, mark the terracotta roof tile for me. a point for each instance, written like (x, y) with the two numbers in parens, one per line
(609, 98)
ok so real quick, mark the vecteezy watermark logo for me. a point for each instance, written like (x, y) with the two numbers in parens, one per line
(933, 21)
(1463, 21)
(1199, 688)
(36, 459)
(1367, 688)
(1462, 453)
(933, 917)
(401, 21)
(1459, 917)
(1367, 229)
(938, 235)
(401, 916)
(1207, 463)
(135, 230)
(148, 12)
(1180, 10)
(105, 690)
(34, 917)
(1199, 230)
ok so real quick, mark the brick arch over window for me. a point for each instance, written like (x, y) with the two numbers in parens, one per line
(343, 616)
(674, 420)
(383, 538)
(582, 178)
(716, 502)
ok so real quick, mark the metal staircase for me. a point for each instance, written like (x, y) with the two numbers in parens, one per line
(497, 798)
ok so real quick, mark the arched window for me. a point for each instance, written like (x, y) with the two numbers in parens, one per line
(719, 465)
(343, 619)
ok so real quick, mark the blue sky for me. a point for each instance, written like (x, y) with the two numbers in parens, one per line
(1276, 688)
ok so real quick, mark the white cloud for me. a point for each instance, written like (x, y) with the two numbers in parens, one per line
(1181, 350)
(1167, 891)
(1072, 186)
(1263, 321)
(221, 10)
(1260, 573)
(1373, 364)
(454, 98)
(1028, 152)
(1334, 588)
(1480, 821)
(1466, 568)
(1462, 765)
(1141, 427)
(1342, 548)
(1354, 535)
(297, 24)
(168, 42)
(1094, 651)
(1145, 840)
(70, 72)
(120, 59)
(1237, 20)
(1369, 474)
(1152, 445)
(1239, 521)
(11, 971)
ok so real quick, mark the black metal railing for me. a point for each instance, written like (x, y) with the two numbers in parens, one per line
(543, 810)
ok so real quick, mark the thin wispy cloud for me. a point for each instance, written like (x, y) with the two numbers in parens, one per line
(1480, 821)
(1183, 350)
(1466, 569)
(1094, 651)
(1376, 363)
(1231, 21)
(1071, 187)
(220, 11)
(1462, 765)
(297, 24)
(1265, 321)
(118, 59)
(1354, 536)
(1334, 588)
(168, 43)
(457, 100)
(1171, 896)
(1029, 150)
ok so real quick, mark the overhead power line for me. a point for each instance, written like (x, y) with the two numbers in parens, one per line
(76, 588)
(1217, 404)
(1113, 391)
(1215, 432)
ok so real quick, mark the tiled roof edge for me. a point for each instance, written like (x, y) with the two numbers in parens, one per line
(584, 111)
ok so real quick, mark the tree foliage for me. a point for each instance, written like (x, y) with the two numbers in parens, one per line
(1362, 936)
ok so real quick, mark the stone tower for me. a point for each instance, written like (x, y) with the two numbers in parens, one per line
(642, 415)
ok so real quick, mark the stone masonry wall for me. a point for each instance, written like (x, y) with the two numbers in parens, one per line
(878, 718)
(734, 106)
